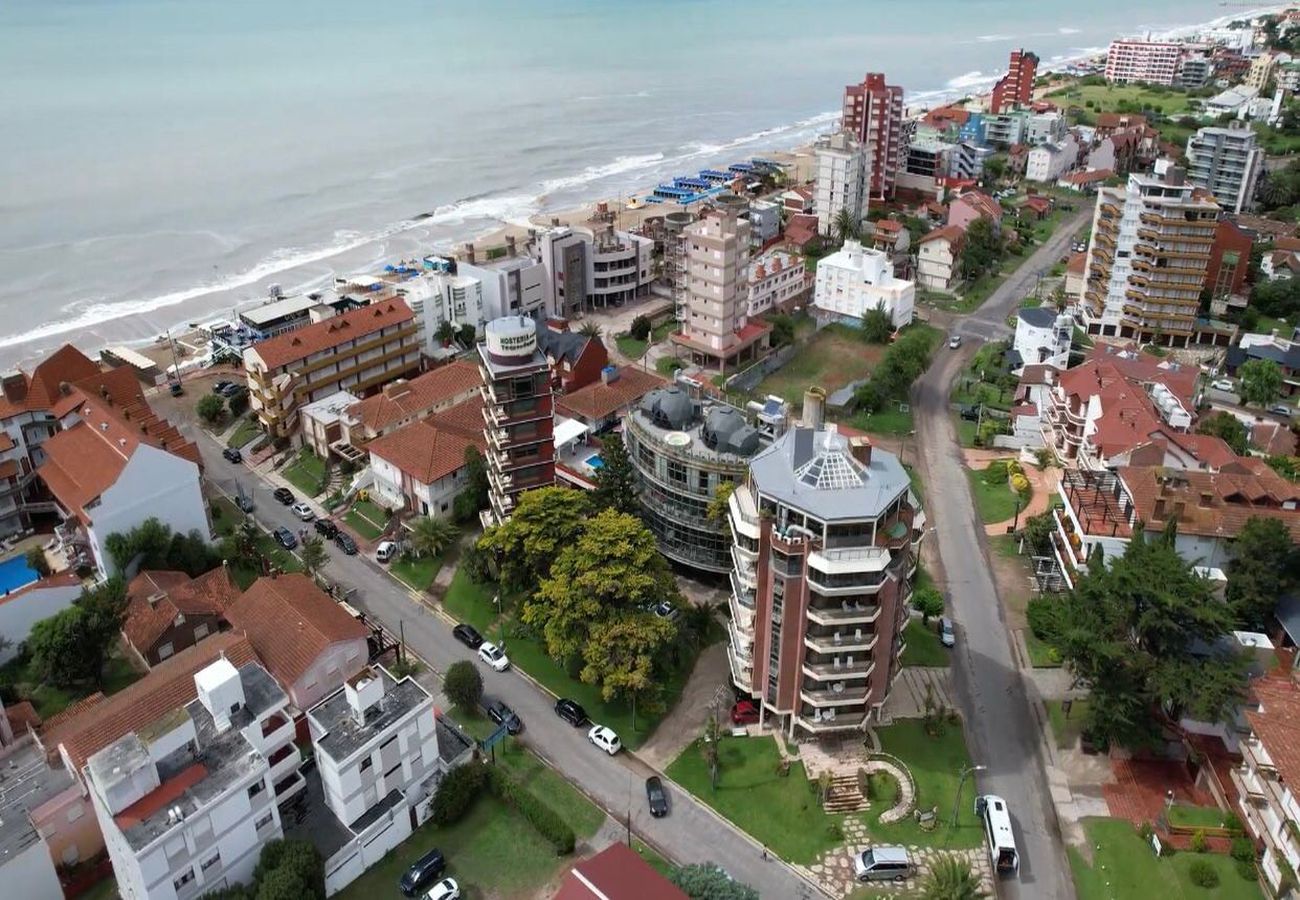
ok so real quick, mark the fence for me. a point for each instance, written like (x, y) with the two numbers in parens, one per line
(749, 379)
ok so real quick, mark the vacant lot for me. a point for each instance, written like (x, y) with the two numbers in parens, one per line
(835, 356)
(1107, 98)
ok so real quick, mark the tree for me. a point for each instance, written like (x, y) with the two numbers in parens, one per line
(545, 521)
(877, 326)
(616, 486)
(156, 547)
(709, 882)
(73, 645)
(995, 167)
(463, 684)
(982, 250)
(721, 501)
(845, 227)
(457, 792)
(589, 329)
(1259, 381)
(928, 602)
(1228, 427)
(37, 562)
(286, 865)
(709, 749)
(446, 332)
(313, 554)
(211, 407)
(466, 335)
(640, 328)
(1264, 567)
(238, 404)
(432, 535)
(782, 329)
(951, 878)
(248, 545)
(474, 497)
(620, 657)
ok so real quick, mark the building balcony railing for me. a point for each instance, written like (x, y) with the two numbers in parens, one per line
(834, 694)
(828, 721)
(848, 667)
(289, 787)
(844, 615)
(743, 595)
(841, 642)
(742, 672)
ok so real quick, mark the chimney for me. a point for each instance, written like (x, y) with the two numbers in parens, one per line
(609, 374)
(814, 407)
(860, 447)
(363, 691)
(155, 597)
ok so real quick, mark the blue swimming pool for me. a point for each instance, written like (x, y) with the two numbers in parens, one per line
(14, 573)
(595, 461)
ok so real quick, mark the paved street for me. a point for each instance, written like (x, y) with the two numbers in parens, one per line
(1001, 729)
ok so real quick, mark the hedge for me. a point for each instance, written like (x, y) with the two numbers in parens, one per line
(545, 820)
(457, 792)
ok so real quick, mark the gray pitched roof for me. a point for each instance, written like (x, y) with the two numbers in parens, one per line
(814, 470)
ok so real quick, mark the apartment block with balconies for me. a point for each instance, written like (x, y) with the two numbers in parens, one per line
(1226, 162)
(826, 534)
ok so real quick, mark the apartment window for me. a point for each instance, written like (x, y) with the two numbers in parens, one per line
(392, 770)
(387, 742)
(263, 822)
(185, 878)
(200, 631)
(366, 763)
(255, 788)
(214, 860)
(166, 650)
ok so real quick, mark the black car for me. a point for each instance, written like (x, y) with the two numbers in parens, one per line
(284, 495)
(220, 386)
(344, 542)
(970, 413)
(422, 871)
(232, 454)
(571, 712)
(285, 538)
(657, 797)
(501, 714)
(326, 527)
(244, 502)
(467, 635)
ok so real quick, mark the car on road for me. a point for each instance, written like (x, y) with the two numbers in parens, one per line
(656, 796)
(501, 714)
(571, 711)
(284, 495)
(344, 542)
(385, 551)
(326, 528)
(605, 739)
(1223, 384)
(1281, 409)
(285, 538)
(447, 889)
(467, 635)
(955, 341)
(244, 502)
(947, 636)
(422, 871)
(744, 712)
(232, 454)
(494, 656)
(303, 511)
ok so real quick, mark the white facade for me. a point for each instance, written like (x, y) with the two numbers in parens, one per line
(30, 874)
(775, 279)
(29, 605)
(1051, 160)
(398, 491)
(514, 286)
(1043, 128)
(1152, 62)
(1042, 337)
(439, 297)
(937, 262)
(620, 266)
(1226, 162)
(855, 279)
(843, 179)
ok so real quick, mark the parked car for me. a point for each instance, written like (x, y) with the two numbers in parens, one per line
(501, 714)
(467, 635)
(244, 502)
(947, 636)
(232, 454)
(236, 390)
(744, 712)
(303, 511)
(284, 495)
(883, 864)
(494, 656)
(385, 551)
(221, 385)
(447, 889)
(1281, 409)
(1224, 384)
(605, 739)
(571, 711)
(344, 542)
(326, 528)
(955, 341)
(285, 538)
(656, 796)
(666, 610)
(177, 389)
(970, 413)
(422, 871)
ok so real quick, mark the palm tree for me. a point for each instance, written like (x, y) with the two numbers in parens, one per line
(844, 225)
(589, 329)
(951, 878)
(430, 536)
(446, 331)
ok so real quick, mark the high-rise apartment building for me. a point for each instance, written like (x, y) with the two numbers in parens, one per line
(1226, 162)
(842, 172)
(1016, 88)
(1147, 259)
(518, 413)
(827, 533)
(873, 113)
(1149, 62)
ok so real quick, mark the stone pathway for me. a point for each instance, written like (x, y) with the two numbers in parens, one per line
(834, 871)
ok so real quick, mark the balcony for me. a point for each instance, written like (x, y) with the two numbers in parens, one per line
(847, 613)
(820, 721)
(834, 694)
(744, 517)
(840, 641)
(276, 730)
(744, 596)
(1109, 209)
(284, 761)
(841, 667)
(289, 787)
(745, 569)
(742, 672)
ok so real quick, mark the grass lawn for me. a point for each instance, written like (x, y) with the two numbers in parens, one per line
(1197, 816)
(1107, 97)
(668, 365)
(935, 764)
(416, 571)
(243, 433)
(832, 358)
(366, 519)
(923, 647)
(657, 862)
(1124, 867)
(996, 502)
(468, 601)
(965, 433)
(306, 473)
(781, 812)
(1041, 654)
(226, 516)
(493, 851)
(918, 486)
(1067, 730)
(888, 421)
(49, 699)
(630, 346)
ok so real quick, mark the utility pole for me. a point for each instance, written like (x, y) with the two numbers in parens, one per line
(956, 802)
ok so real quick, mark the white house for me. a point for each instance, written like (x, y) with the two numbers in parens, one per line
(938, 257)
(1051, 160)
(854, 279)
(1043, 336)
(438, 297)
(419, 467)
(776, 280)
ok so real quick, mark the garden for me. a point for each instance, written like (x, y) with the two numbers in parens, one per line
(1000, 491)
(307, 473)
(366, 518)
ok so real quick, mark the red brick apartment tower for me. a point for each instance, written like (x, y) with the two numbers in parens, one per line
(1016, 88)
(518, 413)
(873, 111)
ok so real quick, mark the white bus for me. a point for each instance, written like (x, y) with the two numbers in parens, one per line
(992, 809)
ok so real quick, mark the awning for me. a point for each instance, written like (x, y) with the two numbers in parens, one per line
(567, 430)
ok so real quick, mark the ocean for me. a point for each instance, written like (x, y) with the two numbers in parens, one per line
(164, 160)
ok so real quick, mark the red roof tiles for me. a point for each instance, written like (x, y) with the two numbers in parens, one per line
(303, 342)
(404, 399)
(1277, 721)
(156, 598)
(616, 873)
(421, 451)
(599, 400)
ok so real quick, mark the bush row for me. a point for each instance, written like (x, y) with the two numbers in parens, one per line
(546, 820)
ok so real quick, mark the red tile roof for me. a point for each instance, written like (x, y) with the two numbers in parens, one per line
(160, 796)
(1273, 438)
(303, 342)
(1213, 504)
(1038, 204)
(1091, 177)
(290, 622)
(172, 594)
(404, 399)
(982, 203)
(22, 716)
(1277, 721)
(421, 451)
(801, 229)
(1112, 121)
(616, 873)
(464, 419)
(951, 233)
(599, 400)
(1077, 264)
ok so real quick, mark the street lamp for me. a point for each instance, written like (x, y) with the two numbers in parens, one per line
(960, 784)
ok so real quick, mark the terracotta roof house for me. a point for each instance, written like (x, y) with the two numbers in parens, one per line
(464, 419)
(616, 873)
(1074, 274)
(939, 257)
(575, 359)
(1273, 439)
(402, 402)
(419, 467)
(1086, 182)
(800, 231)
(1109, 123)
(1269, 769)
(169, 611)
(603, 403)
(1040, 207)
(305, 639)
(1264, 228)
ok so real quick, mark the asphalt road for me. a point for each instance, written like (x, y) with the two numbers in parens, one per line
(689, 834)
(1002, 729)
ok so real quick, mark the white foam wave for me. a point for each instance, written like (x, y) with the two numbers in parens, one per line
(1067, 30)
(993, 38)
(595, 173)
(970, 80)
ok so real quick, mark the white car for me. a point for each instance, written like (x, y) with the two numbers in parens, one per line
(385, 551)
(491, 654)
(303, 511)
(955, 341)
(1224, 384)
(605, 739)
(447, 889)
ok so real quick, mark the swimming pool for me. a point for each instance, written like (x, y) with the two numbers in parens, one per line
(15, 573)
(594, 461)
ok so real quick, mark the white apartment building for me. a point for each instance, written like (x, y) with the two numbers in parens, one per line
(1043, 128)
(1150, 62)
(842, 169)
(511, 286)
(1043, 336)
(620, 267)
(187, 803)
(439, 296)
(1227, 163)
(776, 279)
(1050, 161)
(855, 279)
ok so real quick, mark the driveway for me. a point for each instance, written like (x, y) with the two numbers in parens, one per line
(1001, 728)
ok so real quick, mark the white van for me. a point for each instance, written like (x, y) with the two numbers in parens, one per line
(385, 551)
(883, 864)
(992, 811)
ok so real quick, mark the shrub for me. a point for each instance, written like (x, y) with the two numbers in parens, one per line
(1199, 843)
(1247, 870)
(463, 684)
(1145, 831)
(640, 328)
(1243, 850)
(1232, 822)
(1203, 874)
(1020, 484)
(457, 792)
(37, 563)
(1044, 617)
(996, 473)
(545, 820)
(835, 831)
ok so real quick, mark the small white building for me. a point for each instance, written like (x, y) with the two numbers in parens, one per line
(419, 467)
(938, 258)
(438, 297)
(1043, 336)
(854, 279)
(843, 179)
(1051, 160)
(323, 420)
(776, 280)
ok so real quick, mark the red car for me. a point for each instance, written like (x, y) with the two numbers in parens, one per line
(744, 713)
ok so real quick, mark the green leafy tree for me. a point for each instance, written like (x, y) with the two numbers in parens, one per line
(982, 250)
(1279, 299)
(37, 562)
(995, 167)
(432, 535)
(154, 544)
(620, 656)
(463, 684)
(877, 326)
(289, 865)
(616, 486)
(951, 878)
(73, 645)
(1264, 567)
(211, 408)
(545, 522)
(640, 328)
(248, 545)
(928, 602)
(1228, 427)
(719, 505)
(709, 882)
(1259, 381)
(474, 497)
(782, 329)
(238, 404)
(446, 332)
(845, 227)
(466, 335)
(313, 554)
(589, 329)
